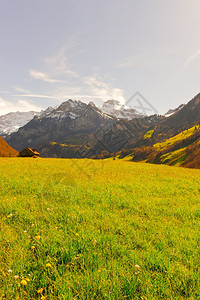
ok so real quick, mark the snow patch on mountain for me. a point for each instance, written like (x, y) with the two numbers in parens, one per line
(118, 110)
(11, 122)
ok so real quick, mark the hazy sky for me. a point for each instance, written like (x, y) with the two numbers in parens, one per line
(95, 50)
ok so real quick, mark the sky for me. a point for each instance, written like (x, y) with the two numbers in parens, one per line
(91, 50)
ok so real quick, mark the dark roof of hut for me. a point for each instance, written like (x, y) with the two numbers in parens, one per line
(29, 152)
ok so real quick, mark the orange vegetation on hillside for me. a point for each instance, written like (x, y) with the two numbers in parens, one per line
(6, 150)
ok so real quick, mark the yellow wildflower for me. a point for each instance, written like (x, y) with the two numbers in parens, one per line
(40, 291)
(33, 248)
(37, 237)
(24, 282)
(48, 265)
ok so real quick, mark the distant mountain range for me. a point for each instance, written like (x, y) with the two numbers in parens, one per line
(60, 131)
(76, 130)
(13, 121)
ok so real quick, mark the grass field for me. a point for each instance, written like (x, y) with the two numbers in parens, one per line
(83, 229)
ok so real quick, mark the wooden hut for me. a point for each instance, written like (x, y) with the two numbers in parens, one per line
(29, 152)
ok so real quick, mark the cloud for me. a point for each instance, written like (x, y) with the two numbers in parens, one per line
(35, 96)
(150, 57)
(4, 92)
(42, 76)
(21, 90)
(20, 105)
(59, 63)
(189, 60)
(103, 90)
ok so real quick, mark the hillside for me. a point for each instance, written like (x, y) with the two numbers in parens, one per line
(6, 150)
(172, 141)
(181, 150)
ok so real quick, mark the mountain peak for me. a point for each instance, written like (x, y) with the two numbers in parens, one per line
(118, 110)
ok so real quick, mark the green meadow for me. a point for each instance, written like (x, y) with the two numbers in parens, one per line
(98, 229)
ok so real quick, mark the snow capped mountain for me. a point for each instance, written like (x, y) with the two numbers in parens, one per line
(117, 110)
(72, 109)
(173, 111)
(13, 121)
(72, 122)
(46, 111)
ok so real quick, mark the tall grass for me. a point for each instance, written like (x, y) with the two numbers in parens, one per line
(83, 229)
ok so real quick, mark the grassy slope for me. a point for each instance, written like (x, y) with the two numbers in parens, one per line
(181, 149)
(6, 150)
(93, 221)
(175, 139)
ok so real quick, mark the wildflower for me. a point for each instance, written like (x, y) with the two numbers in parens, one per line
(9, 216)
(32, 247)
(76, 234)
(9, 271)
(40, 291)
(99, 271)
(37, 237)
(32, 224)
(137, 267)
(94, 242)
(42, 297)
(16, 277)
(23, 282)
(25, 231)
(48, 265)
(48, 208)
